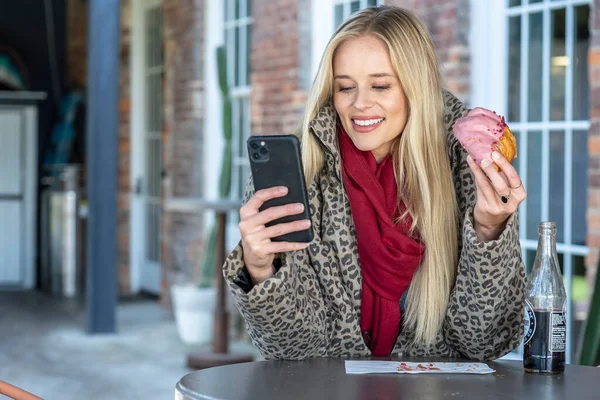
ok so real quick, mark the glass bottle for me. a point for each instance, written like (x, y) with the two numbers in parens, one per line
(545, 308)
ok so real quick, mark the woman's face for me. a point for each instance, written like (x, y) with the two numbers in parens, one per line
(367, 95)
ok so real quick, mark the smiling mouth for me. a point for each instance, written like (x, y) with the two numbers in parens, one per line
(367, 122)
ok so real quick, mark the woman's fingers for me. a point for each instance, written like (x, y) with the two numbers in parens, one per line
(266, 248)
(283, 228)
(499, 184)
(512, 177)
(257, 200)
(484, 189)
(273, 213)
(499, 187)
(262, 233)
(258, 221)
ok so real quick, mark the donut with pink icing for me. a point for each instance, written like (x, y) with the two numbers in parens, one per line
(482, 131)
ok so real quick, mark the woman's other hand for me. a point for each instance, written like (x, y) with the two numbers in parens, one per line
(499, 194)
(259, 249)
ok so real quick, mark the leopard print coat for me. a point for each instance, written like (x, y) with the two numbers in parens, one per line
(311, 306)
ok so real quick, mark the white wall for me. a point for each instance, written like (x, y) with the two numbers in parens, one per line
(488, 53)
(213, 114)
(322, 28)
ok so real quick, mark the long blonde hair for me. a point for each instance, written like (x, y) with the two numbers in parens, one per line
(421, 163)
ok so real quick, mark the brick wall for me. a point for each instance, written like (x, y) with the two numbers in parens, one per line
(593, 218)
(448, 22)
(278, 98)
(183, 87)
(278, 58)
(77, 27)
(182, 137)
(124, 170)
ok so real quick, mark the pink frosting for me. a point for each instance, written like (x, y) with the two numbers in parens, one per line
(479, 132)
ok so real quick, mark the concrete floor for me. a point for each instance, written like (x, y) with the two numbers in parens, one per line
(44, 349)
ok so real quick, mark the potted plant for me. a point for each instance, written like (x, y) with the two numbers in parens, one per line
(194, 304)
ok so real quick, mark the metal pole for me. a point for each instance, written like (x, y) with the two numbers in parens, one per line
(102, 129)
(220, 340)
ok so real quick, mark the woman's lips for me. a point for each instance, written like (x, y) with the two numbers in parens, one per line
(367, 128)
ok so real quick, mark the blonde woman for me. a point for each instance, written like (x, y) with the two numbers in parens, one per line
(414, 251)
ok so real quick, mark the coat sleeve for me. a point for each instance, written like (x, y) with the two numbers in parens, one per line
(484, 319)
(285, 314)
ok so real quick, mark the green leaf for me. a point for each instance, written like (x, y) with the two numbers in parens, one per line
(589, 343)
(209, 259)
(222, 70)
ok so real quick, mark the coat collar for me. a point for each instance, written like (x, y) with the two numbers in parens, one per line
(324, 128)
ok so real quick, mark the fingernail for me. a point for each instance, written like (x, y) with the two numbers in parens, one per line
(282, 189)
(495, 155)
(485, 163)
(298, 207)
(306, 223)
(469, 158)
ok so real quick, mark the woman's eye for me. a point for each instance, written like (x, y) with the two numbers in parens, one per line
(381, 87)
(345, 89)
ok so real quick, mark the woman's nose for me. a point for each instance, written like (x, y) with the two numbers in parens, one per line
(362, 100)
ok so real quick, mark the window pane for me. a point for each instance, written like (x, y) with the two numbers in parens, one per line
(248, 8)
(231, 56)
(241, 55)
(557, 182)
(514, 68)
(561, 262)
(558, 66)
(243, 175)
(237, 7)
(530, 256)
(534, 183)
(240, 128)
(236, 56)
(354, 6)
(247, 125)
(535, 1)
(515, 161)
(514, 3)
(535, 67)
(371, 3)
(226, 10)
(581, 104)
(248, 52)
(579, 182)
(338, 15)
(580, 292)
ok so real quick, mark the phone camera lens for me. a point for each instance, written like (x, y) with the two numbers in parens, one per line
(256, 156)
(254, 145)
(263, 150)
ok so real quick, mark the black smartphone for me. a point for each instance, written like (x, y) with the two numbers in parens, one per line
(275, 161)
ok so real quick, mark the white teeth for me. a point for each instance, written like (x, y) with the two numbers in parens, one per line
(367, 122)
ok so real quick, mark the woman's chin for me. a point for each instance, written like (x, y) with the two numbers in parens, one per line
(363, 145)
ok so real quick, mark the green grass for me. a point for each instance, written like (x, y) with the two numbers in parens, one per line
(580, 289)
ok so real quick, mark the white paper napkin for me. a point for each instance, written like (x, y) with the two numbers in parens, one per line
(401, 367)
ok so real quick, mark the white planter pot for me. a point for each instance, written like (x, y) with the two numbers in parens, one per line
(194, 312)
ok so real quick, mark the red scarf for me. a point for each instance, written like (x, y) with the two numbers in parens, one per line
(388, 256)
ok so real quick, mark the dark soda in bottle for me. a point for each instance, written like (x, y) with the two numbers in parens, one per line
(545, 305)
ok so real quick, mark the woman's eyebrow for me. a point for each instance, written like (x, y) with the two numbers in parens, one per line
(376, 75)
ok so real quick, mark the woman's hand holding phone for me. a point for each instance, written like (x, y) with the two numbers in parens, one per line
(259, 249)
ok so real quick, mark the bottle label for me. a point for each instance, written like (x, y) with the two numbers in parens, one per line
(529, 321)
(558, 336)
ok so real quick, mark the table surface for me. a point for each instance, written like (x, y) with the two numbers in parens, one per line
(325, 378)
